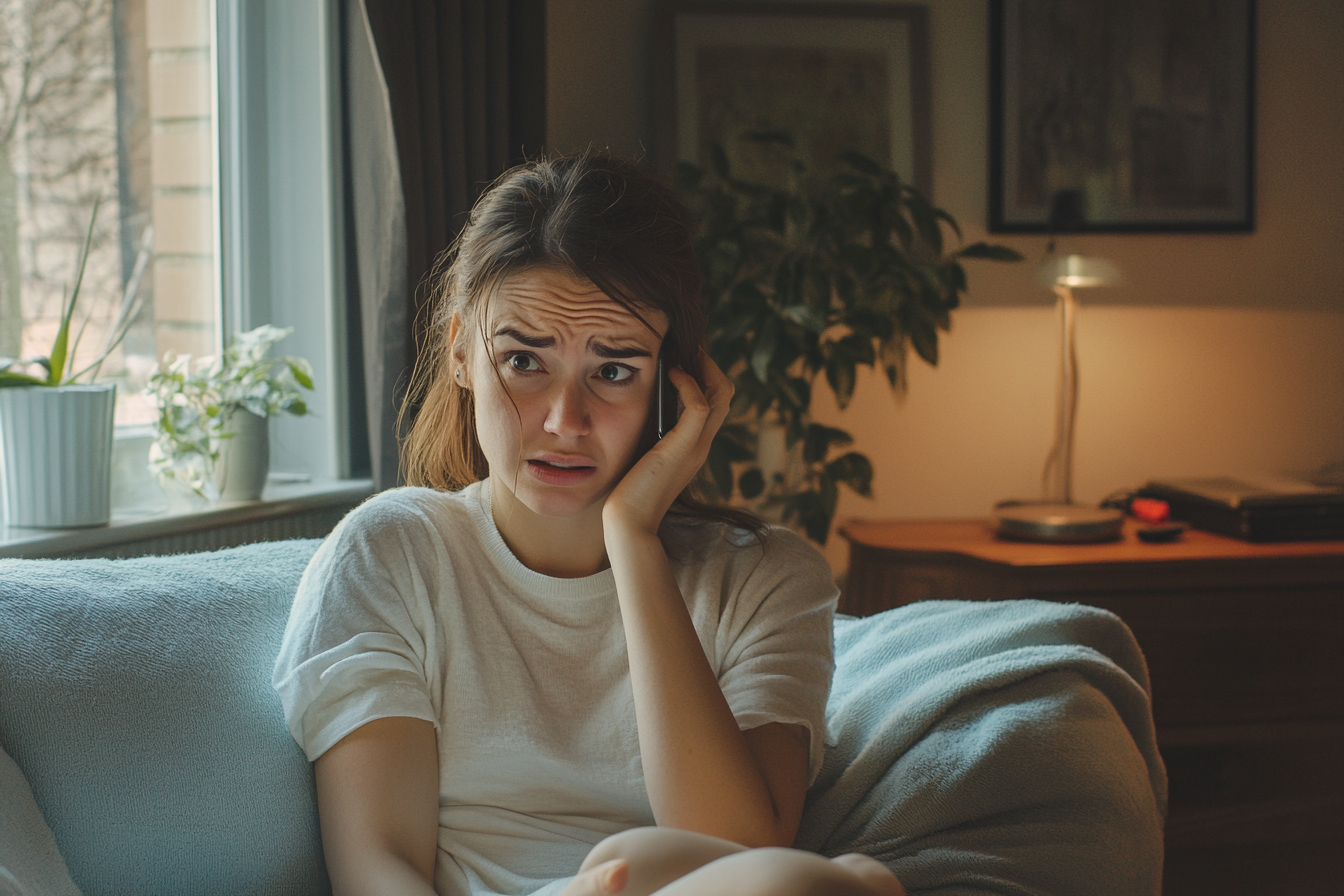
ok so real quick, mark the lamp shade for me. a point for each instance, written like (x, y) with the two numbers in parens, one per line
(1079, 271)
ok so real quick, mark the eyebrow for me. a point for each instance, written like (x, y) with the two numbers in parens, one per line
(602, 350)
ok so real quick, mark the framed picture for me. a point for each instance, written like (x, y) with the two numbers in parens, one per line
(836, 77)
(1119, 117)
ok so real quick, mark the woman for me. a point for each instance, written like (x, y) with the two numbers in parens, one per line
(548, 644)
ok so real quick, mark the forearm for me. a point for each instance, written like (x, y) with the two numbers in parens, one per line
(376, 872)
(377, 801)
(700, 774)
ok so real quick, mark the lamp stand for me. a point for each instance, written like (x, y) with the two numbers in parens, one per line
(1057, 518)
(1057, 477)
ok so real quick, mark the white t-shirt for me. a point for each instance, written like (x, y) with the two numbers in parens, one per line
(414, 606)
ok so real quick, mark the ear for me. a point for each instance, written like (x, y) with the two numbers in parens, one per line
(457, 353)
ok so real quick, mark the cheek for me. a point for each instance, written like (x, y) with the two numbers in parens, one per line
(627, 422)
(496, 422)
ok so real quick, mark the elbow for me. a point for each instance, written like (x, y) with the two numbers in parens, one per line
(769, 830)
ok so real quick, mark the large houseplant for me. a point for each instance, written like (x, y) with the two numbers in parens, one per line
(212, 412)
(815, 276)
(55, 424)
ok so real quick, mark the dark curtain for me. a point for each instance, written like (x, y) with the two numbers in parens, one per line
(458, 87)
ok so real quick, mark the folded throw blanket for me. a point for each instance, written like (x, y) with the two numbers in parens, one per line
(1002, 747)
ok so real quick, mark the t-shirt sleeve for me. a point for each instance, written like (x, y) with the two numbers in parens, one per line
(359, 637)
(774, 642)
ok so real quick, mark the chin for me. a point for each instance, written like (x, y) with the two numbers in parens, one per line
(555, 502)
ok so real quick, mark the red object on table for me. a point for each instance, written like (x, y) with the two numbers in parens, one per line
(1150, 510)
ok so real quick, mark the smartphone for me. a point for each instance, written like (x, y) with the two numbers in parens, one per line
(667, 401)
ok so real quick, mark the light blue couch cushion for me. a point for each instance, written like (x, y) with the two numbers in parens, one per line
(136, 697)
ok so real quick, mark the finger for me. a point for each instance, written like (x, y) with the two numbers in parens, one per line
(601, 880)
(608, 878)
(693, 400)
(719, 389)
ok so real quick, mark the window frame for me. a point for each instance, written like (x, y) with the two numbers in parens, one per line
(278, 95)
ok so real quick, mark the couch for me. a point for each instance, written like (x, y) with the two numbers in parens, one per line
(973, 747)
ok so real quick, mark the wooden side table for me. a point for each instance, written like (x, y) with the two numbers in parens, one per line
(1245, 647)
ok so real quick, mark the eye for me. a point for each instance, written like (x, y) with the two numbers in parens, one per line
(525, 362)
(615, 373)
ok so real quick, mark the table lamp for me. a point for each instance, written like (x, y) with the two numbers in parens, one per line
(1057, 518)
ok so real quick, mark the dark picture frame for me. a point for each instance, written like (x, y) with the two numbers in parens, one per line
(1116, 117)
(836, 76)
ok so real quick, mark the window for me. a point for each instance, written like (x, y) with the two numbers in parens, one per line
(209, 126)
(109, 102)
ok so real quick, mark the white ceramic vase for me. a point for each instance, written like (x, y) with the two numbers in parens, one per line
(56, 455)
(244, 456)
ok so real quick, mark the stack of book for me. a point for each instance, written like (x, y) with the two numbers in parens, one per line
(1275, 509)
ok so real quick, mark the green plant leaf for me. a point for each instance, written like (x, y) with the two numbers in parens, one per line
(60, 348)
(830, 496)
(986, 250)
(840, 374)
(809, 509)
(949, 220)
(854, 470)
(763, 349)
(955, 277)
(892, 354)
(12, 378)
(818, 441)
(720, 468)
(926, 222)
(751, 483)
(924, 337)
(302, 373)
(861, 162)
(806, 317)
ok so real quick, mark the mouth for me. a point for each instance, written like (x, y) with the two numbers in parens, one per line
(557, 471)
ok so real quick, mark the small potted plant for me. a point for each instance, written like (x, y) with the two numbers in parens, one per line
(814, 277)
(56, 423)
(212, 432)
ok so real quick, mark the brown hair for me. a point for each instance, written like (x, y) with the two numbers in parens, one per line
(601, 219)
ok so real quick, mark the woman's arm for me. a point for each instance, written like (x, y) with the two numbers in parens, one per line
(703, 773)
(378, 803)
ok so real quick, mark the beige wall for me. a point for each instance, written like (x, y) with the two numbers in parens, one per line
(1218, 354)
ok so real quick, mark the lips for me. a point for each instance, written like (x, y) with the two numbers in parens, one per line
(561, 470)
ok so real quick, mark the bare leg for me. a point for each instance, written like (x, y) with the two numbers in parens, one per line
(787, 872)
(658, 856)
(670, 862)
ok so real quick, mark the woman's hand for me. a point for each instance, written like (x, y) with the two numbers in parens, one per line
(644, 494)
(702, 772)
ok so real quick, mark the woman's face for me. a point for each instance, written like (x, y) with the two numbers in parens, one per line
(580, 370)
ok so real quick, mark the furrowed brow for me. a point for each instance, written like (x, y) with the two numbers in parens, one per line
(529, 341)
(613, 352)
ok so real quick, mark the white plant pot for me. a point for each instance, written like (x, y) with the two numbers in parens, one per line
(56, 455)
(244, 456)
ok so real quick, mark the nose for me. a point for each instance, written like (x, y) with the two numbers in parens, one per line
(567, 412)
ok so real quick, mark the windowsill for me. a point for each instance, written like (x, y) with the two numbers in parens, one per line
(133, 524)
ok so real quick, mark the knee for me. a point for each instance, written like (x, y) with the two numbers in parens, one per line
(877, 877)
(629, 845)
(791, 872)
